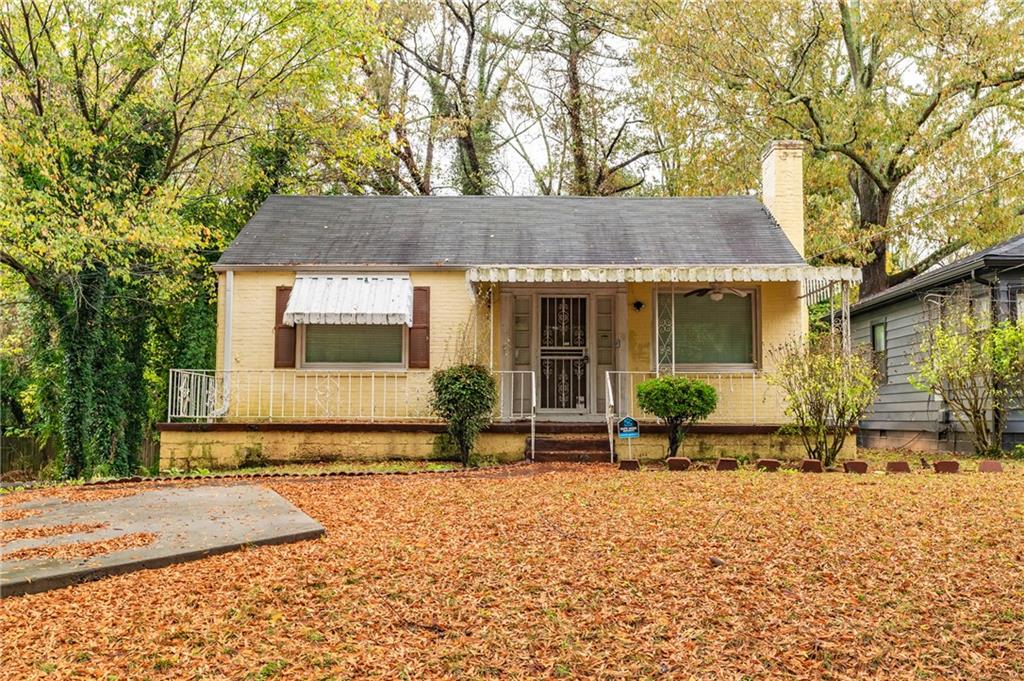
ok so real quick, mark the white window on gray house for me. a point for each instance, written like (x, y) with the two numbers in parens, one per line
(880, 351)
(1020, 304)
(354, 344)
(707, 327)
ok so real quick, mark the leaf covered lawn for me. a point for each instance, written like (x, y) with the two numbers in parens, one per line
(576, 572)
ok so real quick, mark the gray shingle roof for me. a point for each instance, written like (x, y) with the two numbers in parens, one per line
(465, 231)
(1009, 252)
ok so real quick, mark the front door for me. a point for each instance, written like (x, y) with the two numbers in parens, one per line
(564, 384)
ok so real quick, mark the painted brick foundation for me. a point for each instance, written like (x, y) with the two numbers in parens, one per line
(220, 449)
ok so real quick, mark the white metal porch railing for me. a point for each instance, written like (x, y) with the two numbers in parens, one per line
(295, 394)
(517, 400)
(742, 398)
(197, 394)
(194, 394)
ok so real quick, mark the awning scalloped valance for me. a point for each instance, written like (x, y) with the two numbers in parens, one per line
(350, 299)
(660, 273)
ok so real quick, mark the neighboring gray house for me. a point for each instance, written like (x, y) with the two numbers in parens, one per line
(890, 322)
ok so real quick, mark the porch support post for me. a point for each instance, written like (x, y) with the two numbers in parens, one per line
(847, 341)
(621, 332)
(621, 350)
(832, 317)
(672, 306)
(656, 301)
(505, 332)
(488, 303)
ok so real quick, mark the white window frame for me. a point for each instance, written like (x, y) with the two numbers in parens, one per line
(680, 367)
(301, 362)
(884, 352)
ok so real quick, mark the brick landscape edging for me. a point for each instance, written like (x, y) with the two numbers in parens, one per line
(323, 474)
(136, 479)
(721, 464)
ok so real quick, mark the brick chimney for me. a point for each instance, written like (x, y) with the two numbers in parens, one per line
(782, 187)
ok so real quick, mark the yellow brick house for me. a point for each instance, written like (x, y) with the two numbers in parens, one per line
(334, 310)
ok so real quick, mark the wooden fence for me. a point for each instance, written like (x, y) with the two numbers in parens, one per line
(22, 458)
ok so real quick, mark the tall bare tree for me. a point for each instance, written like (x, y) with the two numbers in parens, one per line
(407, 124)
(574, 102)
(443, 81)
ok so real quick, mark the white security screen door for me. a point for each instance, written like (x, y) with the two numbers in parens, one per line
(563, 353)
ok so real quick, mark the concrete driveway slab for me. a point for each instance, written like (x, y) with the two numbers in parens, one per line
(188, 523)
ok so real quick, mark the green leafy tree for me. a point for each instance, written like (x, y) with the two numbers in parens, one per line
(977, 368)
(464, 396)
(896, 101)
(116, 116)
(29, 366)
(1007, 340)
(679, 401)
(827, 393)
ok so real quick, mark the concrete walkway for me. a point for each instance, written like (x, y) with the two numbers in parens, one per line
(189, 523)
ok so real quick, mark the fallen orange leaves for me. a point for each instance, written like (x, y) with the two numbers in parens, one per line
(9, 534)
(17, 513)
(97, 493)
(83, 549)
(71, 493)
(580, 572)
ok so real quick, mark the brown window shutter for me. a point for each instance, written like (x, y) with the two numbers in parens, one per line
(284, 336)
(419, 333)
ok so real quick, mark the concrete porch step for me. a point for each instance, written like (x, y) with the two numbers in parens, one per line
(571, 456)
(571, 443)
(580, 446)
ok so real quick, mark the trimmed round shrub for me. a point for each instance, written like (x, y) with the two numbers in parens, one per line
(679, 402)
(464, 397)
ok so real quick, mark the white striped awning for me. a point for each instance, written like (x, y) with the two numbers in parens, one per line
(350, 299)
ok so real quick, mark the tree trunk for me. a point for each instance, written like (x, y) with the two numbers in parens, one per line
(875, 272)
(581, 181)
(74, 423)
(471, 172)
(673, 436)
(78, 337)
(834, 440)
(873, 204)
(135, 405)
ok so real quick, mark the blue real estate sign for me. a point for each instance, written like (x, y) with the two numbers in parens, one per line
(629, 428)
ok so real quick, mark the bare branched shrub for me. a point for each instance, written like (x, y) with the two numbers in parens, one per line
(827, 390)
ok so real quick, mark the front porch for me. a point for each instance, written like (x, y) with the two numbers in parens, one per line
(567, 348)
(381, 397)
(221, 419)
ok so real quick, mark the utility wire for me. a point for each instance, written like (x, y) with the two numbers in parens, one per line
(944, 206)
